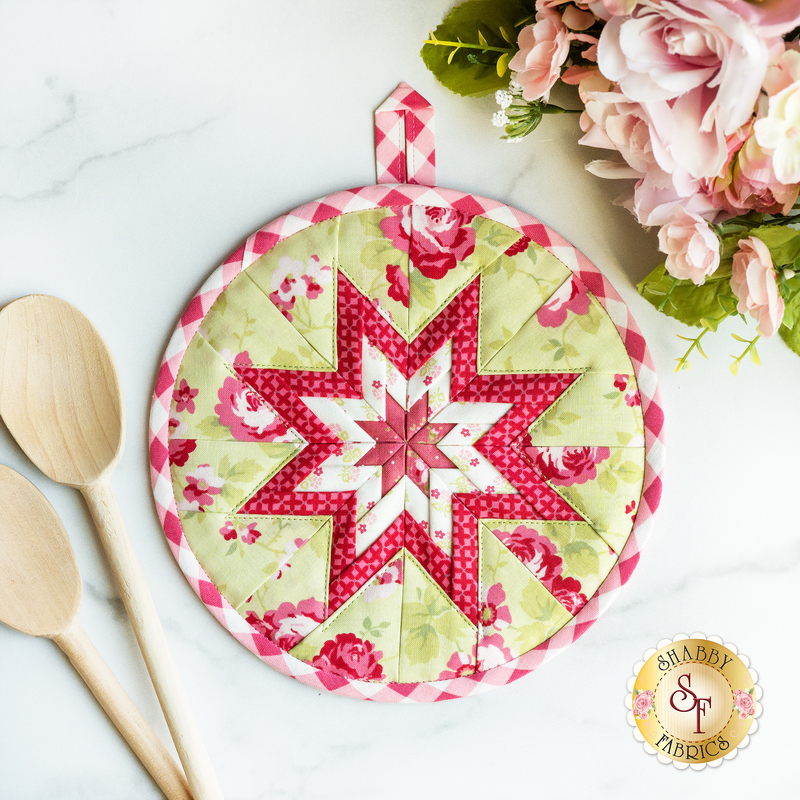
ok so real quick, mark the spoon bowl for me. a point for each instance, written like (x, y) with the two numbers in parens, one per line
(40, 591)
(40, 594)
(60, 396)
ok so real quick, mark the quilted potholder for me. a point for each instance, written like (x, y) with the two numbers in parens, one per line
(405, 440)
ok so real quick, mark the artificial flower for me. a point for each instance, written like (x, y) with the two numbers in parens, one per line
(754, 282)
(691, 247)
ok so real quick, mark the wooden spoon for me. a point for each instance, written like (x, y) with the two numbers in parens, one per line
(60, 398)
(40, 594)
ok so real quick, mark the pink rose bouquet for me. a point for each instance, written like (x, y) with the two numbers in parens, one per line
(697, 103)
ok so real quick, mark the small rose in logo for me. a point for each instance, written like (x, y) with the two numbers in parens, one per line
(744, 703)
(643, 704)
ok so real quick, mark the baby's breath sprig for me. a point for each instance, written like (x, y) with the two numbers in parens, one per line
(518, 116)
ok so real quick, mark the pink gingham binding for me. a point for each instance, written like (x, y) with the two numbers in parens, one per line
(383, 196)
(405, 145)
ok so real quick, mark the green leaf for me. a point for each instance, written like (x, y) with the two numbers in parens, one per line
(791, 336)
(607, 482)
(213, 429)
(567, 417)
(628, 472)
(471, 71)
(582, 559)
(548, 429)
(231, 549)
(700, 306)
(571, 351)
(246, 470)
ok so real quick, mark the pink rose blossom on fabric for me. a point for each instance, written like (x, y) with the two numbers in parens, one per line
(247, 533)
(398, 284)
(247, 414)
(543, 48)
(460, 664)
(397, 228)
(754, 282)
(289, 624)
(691, 247)
(642, 704)
(442, 237)
(202, 486)
(228, 531)
(350, 657)
(633, 399)
(493, 613)
(520, 246)
(565, 466)
(568, 592)
(180, 450)
(695, 67)
(436, 239)
(292, 279)
(621, 382)
(492, 652)
(744, 703)
(184, 395)
(570, 296)
(535, 551)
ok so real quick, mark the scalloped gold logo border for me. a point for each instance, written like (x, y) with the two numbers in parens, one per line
(693, 701)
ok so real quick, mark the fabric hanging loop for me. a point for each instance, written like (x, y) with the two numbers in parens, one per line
(405, 142)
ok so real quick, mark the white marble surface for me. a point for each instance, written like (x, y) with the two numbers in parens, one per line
(139, 143)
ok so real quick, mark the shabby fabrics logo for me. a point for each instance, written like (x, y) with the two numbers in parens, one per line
(693, 701)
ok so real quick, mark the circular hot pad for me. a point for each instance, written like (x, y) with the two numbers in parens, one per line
(406, 443)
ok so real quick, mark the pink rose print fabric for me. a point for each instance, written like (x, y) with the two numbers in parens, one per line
(398, 284)
(492, 652)
(248, 414)
(201, 487)
(537, 552)
(571, 464)
(180, 450)
(570, 296)
(493, 613)
(568, 592)
(294, 279)
(247, 533)
(435, 238)
(184, 397)
(351, 657)
(288, 624)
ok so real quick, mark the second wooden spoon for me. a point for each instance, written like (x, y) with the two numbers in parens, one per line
(40, 594)
(61, 400)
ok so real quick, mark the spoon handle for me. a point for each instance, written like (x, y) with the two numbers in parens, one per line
(152, 642)
(122, 712)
